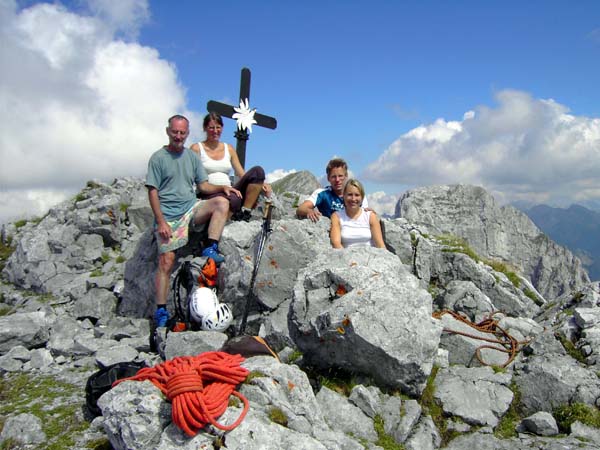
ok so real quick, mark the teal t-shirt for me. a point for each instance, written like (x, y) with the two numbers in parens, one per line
(175, 176)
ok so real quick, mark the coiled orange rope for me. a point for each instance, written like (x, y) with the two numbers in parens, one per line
(198, 387)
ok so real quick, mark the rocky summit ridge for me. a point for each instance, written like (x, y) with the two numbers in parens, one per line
(375, 347)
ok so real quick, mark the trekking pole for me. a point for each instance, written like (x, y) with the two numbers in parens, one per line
(264, 233)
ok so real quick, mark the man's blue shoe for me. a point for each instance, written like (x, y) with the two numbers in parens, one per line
(161, 317)
(211, 252)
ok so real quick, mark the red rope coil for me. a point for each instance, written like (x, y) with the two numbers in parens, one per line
(198, 387)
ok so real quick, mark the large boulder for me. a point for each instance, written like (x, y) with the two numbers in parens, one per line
(360, 310)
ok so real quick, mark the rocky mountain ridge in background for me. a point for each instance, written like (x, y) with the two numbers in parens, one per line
(575, 227)
(78, 292)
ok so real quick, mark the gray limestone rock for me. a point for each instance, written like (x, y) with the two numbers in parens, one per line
(138, 293)
(342, 415)
(399, 424)
(192, 343)
(135, 414)
(587, 317)
(291, 246)
(449, 266)
(112, 355)
(40, 358)
(478, 395)
(541, 423)
(494, 232)
(425, 436)
(585, 433)
(463, 349)
(360, 310)
(366, 398)
(378, 325)
(258, 432)
(30, 330)
(302, 182)
(547, 381)
(96, 304)
(464, 297)
(63, 334)
(284, 387)
(24, 429)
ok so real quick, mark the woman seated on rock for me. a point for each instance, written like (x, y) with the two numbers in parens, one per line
(218, 158)
(353, 225)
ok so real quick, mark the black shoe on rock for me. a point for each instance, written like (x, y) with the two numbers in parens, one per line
(242, 215)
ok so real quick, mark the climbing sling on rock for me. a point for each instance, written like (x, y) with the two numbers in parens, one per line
(503, 341)
(198, 387)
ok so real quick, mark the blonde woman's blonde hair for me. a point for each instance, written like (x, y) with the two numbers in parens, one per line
(357, 184)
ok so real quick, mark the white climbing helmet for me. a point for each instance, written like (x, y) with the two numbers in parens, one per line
(219, 320)
(203, 303)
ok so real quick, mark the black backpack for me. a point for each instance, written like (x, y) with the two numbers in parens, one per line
(101, 382)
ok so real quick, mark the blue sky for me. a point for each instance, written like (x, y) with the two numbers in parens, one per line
(498, 93)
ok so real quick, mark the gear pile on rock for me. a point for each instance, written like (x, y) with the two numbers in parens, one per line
(366, 358)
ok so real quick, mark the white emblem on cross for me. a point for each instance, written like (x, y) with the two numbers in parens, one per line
(244, 116)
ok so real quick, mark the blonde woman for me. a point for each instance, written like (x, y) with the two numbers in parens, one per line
(353, 225)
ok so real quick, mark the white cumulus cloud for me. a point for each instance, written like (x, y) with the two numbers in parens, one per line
(383, 203)
(521, 149)
(77, 102)
(278, 174)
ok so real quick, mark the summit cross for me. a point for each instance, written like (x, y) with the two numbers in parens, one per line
(245, 117)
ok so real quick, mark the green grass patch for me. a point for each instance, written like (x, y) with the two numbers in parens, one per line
(296, 202)
(10, 444)
(105, 257)
(294, 356)
(123, 207)
(413, 239)
(47, 398)
(454, 244)
(502, 267)
(433, 407)
(99, 444)
(42, 298)
(254, 374)
(338, 380)
(37, 220)
(80, 197)
(570, 348)
(531, 295)
(96, 273)
(506, 428)
(384, 440)
(120, 259)
(566, 415)
(429, 404)
(278, 416)
(5, 251)
(5, 310)
(20, 223)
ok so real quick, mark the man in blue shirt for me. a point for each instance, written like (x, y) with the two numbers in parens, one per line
(174, 175)
(327, 200)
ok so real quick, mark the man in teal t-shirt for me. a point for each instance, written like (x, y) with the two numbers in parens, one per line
(174, 174)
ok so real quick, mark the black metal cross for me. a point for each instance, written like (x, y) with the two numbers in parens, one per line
(225, 110)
